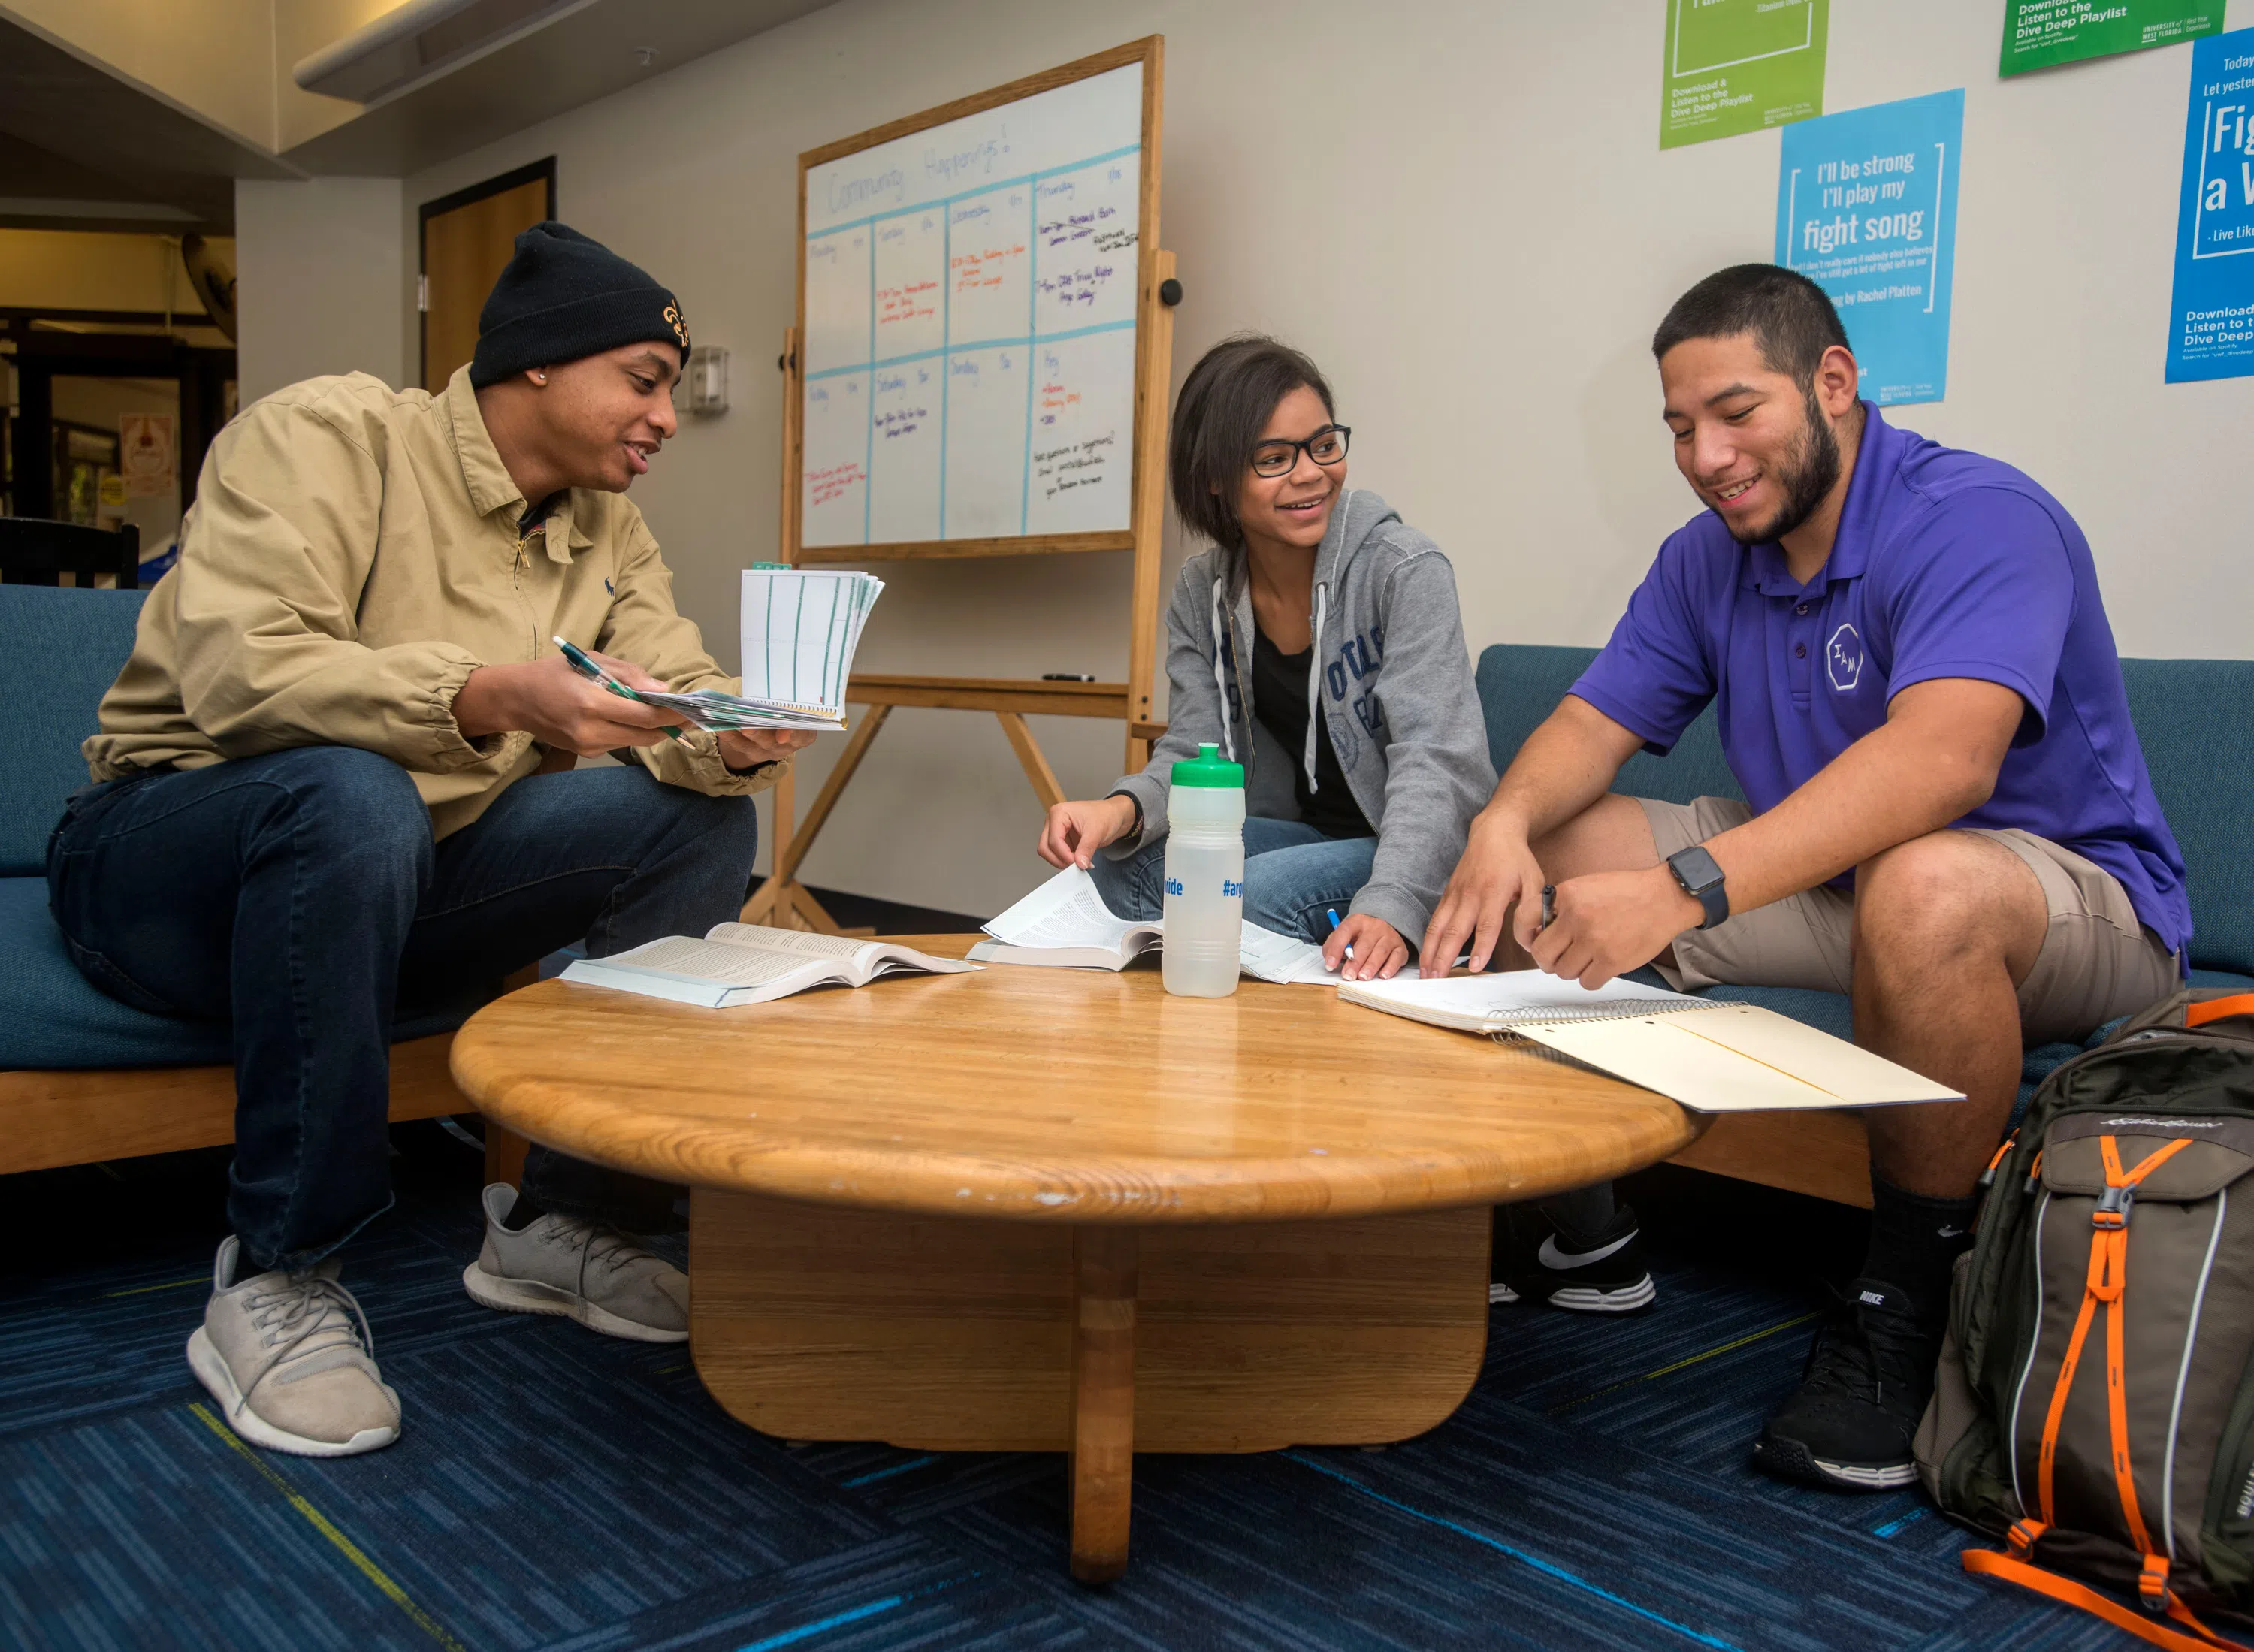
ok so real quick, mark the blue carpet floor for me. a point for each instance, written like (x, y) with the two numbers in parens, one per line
(557, 1490)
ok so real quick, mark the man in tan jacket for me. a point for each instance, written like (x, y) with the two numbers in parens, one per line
(324, 798)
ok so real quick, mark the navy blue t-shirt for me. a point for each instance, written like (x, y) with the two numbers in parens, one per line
(1947, 564)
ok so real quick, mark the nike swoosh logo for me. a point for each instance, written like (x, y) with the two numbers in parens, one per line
(1550, 1257)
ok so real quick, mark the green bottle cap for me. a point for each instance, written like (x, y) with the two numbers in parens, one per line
(1206, 769)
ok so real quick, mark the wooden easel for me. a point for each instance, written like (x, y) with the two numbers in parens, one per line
(781, 899)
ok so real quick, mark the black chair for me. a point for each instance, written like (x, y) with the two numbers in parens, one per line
(33, 552)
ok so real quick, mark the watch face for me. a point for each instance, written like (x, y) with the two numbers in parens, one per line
(1696, 870)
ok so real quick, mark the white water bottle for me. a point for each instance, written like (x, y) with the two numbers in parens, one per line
(1204, 905)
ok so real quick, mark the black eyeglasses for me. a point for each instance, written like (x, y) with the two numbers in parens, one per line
(1325, 446)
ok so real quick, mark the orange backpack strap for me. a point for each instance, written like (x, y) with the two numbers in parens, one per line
(1988, 1563)
(2219, 1009)
(2107, 1276)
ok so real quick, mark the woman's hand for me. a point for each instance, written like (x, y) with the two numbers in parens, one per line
(1379, 951)
(746, 748)
(1075, 831)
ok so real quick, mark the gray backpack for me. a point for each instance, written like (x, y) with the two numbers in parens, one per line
(2094, 1403)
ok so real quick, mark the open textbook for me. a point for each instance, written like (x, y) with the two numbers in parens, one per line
(1711, 1056)
(750, 963)
(1065, 925)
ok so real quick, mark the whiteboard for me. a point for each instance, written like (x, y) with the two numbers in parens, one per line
(970, 324)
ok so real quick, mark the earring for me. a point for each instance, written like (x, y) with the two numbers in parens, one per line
(540, 378)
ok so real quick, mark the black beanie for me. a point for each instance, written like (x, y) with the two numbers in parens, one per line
(562, 297)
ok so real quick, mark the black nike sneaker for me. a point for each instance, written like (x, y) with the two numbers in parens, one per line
(1533, 1260)
(1868, 1377)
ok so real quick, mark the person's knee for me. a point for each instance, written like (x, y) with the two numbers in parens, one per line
(1283, 912)
(1613, 834)
(348, 804)
(727, 827)
(1947, 898)
(1128, 884)
(718, 829)
(1280, 916)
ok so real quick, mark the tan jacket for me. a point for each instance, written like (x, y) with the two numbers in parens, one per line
(352, 555)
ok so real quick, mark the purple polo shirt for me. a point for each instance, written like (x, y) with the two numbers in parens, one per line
(1947, 564)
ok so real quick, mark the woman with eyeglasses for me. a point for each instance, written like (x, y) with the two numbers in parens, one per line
(1317, 642)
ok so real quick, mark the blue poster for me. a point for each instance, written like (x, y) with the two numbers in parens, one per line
(2211, 333)
(1866, 208)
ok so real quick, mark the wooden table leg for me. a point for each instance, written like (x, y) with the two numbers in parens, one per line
(1102, 1463)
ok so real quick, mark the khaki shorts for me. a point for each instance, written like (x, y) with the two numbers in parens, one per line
(2098, 960)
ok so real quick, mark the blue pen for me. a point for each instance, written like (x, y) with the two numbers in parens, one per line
(577, 660)
(1332, 914)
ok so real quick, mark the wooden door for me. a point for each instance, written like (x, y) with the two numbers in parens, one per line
(467, 239)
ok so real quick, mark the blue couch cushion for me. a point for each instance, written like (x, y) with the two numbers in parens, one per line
(2195, 720)
(1521, 684)
(51, 1016)
(64, 648)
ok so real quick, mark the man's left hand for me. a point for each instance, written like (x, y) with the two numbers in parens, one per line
(748, 748)
(1611, 922)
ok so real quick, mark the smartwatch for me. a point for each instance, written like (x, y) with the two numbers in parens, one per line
(1701, 879)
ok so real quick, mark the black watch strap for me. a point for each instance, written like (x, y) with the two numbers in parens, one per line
(1134, 833)
(1701, 877)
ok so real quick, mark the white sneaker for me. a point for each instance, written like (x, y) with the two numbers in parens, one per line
(287, 1357)
(591, 1273)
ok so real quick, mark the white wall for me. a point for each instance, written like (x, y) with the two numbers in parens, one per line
(1464, 214)
(320, 272)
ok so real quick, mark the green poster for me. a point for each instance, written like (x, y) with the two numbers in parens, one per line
(1737, 66)
(2038, 33)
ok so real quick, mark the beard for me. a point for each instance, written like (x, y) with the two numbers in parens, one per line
(1806, 475)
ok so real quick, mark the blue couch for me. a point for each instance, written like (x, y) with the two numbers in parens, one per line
(83, 1077)
(2195, 721)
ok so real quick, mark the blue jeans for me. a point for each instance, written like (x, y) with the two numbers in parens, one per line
(1293, 877)
(299, 897)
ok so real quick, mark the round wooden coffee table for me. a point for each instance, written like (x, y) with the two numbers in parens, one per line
(1045, 1209)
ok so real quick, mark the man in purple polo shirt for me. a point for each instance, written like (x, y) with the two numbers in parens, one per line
(1949, 816)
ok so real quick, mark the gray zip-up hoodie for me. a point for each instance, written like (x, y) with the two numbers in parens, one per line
(1392, 684)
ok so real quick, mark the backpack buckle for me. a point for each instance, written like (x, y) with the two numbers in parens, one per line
(2152, 1585)
(2113, 1207)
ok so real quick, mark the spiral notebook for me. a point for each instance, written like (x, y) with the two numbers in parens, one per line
(1711, 1056)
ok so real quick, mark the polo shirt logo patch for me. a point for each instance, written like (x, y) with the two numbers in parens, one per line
(1842, 659)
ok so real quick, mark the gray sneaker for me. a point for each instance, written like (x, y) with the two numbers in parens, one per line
(286, 1356)
(593, 1274)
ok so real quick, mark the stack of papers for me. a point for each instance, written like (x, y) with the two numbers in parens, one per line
(800, 627)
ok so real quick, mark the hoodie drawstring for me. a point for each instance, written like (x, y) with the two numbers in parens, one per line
(1221, 681)
(1315, 680)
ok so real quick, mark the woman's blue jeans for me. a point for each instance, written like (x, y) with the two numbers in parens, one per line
(1293, 877)
(298, 896)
